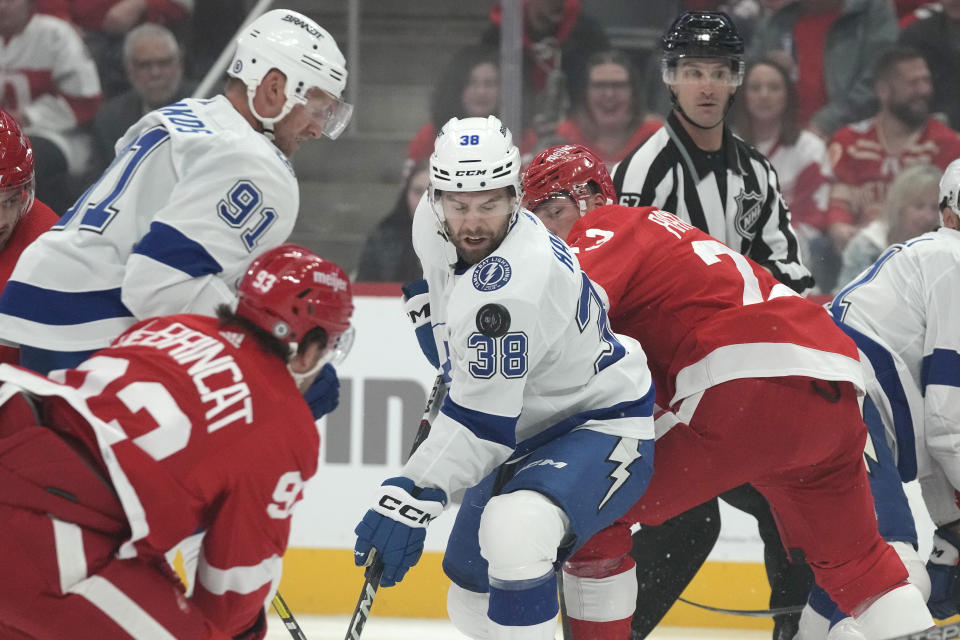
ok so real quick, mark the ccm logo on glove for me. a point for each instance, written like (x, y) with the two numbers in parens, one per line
(406, 511)
(398, 505)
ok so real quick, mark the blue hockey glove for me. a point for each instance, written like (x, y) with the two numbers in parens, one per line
(416, 302)
(323, 396)
(396, 527)
(944, 574)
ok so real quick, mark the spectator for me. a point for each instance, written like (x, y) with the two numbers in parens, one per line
(911, 209)
(558, 37)
(937, 37)
(468, 87)
(767, 118)
(50, 85)
(105, 23)
(866, 156)
(154, 65)
(832, 44)
(22, 217)
(388, 254)
(610, 118)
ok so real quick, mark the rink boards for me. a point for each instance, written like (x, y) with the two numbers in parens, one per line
(384, 385)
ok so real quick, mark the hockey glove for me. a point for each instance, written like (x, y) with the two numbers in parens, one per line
(396, 527)
(323, 396)
(416, 302)
(944, 574)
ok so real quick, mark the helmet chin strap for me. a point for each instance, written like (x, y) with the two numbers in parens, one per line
(263, 120)
(683, 114)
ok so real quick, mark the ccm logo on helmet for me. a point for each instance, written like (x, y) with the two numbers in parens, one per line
(471, 172)
(406, 511)
(303, 25)
(329, 279)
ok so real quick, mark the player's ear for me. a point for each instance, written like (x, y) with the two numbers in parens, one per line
(271, 92)
(596, 200)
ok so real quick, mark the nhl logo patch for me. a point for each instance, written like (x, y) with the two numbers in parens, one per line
(491, 273)
(748, 212)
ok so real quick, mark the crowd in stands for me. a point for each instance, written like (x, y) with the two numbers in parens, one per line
(843, 96)
(77, 73)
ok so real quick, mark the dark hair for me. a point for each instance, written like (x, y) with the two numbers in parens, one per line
(387, 253)
(741, 121)
(447, 97)
(578, 98)
(890, 57)
(267, 341)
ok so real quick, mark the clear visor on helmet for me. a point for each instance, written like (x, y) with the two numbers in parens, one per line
(334, 354)
(17, 200)
(455, 206)
(726, 72)
(338, 352)
(554, 202)
(331, 113)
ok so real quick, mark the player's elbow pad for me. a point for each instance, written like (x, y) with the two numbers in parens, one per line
(416, 302)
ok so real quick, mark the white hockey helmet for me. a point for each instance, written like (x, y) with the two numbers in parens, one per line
(304, 52)
(950, 188)
(473, 154)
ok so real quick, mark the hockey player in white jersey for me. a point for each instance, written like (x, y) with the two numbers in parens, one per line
(548, 421)
(902, 313)
(197, 190)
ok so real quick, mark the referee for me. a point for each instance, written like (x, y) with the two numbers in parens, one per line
(697, 169)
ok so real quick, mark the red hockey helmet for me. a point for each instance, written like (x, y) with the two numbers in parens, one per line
(16, 163)
(289, 290)
(566, 170)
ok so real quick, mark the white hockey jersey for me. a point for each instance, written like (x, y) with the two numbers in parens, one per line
(902, 312)
(528, 353)
(193, 196)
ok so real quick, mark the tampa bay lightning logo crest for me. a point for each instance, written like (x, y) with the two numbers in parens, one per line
(491, 273)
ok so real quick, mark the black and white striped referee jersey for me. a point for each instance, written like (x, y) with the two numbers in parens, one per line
(745, 210)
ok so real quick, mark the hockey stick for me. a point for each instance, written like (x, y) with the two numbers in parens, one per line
(288, 620)
(374, 566)
(750, 613)
(946, 632)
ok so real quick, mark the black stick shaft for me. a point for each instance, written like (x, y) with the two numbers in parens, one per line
(361, 613)
(288, 620)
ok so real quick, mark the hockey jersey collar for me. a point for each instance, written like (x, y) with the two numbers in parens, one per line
(699, 158)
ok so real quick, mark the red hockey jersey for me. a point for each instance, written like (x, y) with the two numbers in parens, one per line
(198, 429)
(37, 220)
(703, 313)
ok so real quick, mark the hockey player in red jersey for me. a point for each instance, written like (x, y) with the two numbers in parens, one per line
(184, 424)
(761, 387)
(22, 217)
